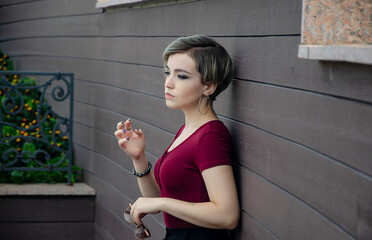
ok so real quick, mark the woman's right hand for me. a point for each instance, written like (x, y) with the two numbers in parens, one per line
(132, 142)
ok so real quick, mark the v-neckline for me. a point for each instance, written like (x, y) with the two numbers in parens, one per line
(185, 140)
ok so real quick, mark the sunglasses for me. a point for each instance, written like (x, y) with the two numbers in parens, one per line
(141, 232)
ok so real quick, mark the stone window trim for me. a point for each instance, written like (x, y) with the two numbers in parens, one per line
(111, 3)
(136, 3)
(336, 31)
(347, 53)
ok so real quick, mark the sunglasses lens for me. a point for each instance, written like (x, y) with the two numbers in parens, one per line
(127, 216)
(142, 232)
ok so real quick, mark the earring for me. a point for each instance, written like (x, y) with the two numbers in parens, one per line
(208, 102)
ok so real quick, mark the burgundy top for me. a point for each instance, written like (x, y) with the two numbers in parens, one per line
(178, 172)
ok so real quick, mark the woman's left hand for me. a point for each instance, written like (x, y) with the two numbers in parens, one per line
(144, 206)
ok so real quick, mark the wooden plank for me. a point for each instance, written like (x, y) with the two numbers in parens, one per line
(267, 60)
(57, 231)
(100, 233)
(217, 17)
(249, 229)
(4, 3)
(46, 209)
(281, 213)
(29, 10)
(334, 190)
(125, 50)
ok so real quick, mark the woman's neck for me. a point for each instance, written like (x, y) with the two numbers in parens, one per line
(194, 119)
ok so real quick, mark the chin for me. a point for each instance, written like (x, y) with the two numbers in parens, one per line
(170, 105)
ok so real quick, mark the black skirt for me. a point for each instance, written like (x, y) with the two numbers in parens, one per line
(196, 234)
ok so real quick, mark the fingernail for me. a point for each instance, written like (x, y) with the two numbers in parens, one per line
(127, 138)
(129, 120)
(124, 130)
(122, 122)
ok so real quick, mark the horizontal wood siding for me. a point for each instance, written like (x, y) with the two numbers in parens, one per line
(47, 217)
(302, 129)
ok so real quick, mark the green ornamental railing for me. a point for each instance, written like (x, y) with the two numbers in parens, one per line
(36, 142)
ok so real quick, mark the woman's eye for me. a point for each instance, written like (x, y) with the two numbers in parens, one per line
(166, 73)
(182, 77)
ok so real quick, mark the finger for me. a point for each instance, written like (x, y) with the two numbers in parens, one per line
(119, 134)
(127, 124)
(136, 218)
(122, 142)
(120, 125)
(138, 132)
(135, 213)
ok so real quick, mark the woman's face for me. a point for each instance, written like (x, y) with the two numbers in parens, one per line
(183, 86)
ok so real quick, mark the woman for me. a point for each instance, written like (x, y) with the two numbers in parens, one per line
(193, 182)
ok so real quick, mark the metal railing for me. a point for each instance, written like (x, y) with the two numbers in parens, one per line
(34, 137)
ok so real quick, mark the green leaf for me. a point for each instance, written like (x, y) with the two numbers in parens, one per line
(29, 81)
(9, 130)
(17, 177)
(30, 147)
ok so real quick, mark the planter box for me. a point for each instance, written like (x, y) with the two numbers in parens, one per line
(46, 211)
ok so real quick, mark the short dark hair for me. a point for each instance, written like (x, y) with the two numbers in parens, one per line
(212, 60)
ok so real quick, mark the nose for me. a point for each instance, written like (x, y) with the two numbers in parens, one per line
(169, 82)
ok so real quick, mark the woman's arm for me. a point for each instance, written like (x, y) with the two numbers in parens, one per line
(147, 184)
(222, 212)
(132, 142)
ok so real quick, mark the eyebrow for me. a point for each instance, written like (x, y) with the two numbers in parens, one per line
(179, 70)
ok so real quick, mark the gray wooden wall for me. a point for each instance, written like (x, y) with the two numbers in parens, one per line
(302, 129)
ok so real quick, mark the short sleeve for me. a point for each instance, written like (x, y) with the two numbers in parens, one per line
(214, 149)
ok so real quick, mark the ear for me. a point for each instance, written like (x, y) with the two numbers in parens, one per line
(209, 89)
